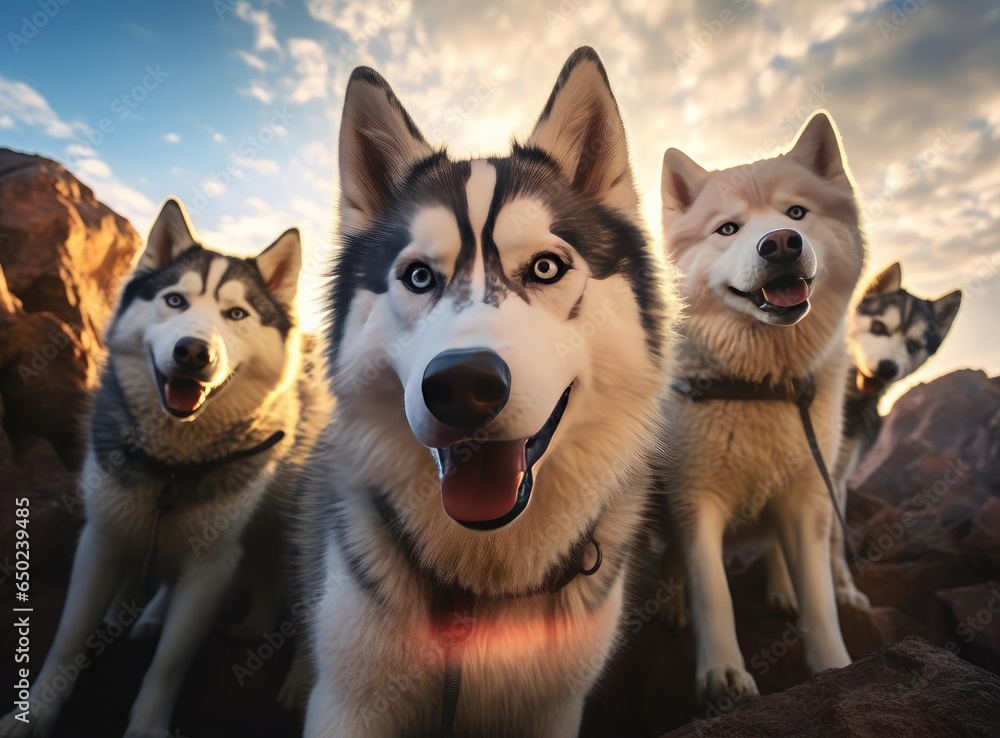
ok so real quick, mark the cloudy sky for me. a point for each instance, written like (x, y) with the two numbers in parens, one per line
(234, 106)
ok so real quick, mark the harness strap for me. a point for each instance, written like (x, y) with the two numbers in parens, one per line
(179, 477)
(801, 392)
(454, 606)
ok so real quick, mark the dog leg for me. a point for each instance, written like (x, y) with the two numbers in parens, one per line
(98, 568)
(721, 671)
(843, 582)
(805, 543)
(193, 605)
(780, 593)
(151, 621)
(674, 613)
(265, 606)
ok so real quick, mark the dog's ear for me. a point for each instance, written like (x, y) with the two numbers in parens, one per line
(890, 280)
(817, 147)
(945, 310)
(378, 145)
(582, 130)
(680, 183)
(170, 235)
(280, 264)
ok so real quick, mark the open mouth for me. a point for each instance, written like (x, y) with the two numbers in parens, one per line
(785, 296)
(183, 396)
(869, 386)
(486, 485)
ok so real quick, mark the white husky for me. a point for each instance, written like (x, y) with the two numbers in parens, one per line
(500, 339)
(770, 254)
(201, 412)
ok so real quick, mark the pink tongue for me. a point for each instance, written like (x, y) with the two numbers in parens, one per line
(480, 481)
(789, 295)
(184, 395)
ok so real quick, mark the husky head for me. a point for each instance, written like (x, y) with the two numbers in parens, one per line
(192, 323)
(766, 242)
(893, 332)
(487, 305)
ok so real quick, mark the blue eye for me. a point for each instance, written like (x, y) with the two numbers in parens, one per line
(236, 313)
(727, 229)
(175, 300)
(418, 278)
(796, 212)
(547, 268)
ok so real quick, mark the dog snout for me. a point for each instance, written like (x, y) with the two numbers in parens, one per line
(466, 388)
(780, 247)
(887, 369)
(193, 355)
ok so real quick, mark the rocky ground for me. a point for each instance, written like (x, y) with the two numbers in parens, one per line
(924, 514)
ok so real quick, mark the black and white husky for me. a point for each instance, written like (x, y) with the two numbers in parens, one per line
(202, 411)
(891, 334)
(500, 339)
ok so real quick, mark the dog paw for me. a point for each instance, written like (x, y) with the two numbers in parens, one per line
(784, 603)
(721, 687)
(853, 597)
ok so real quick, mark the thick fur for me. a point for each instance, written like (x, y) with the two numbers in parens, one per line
(743, 467)
(257, 388)
(605, 328)
(892, 333)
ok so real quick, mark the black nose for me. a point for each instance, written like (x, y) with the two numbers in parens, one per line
(466, 388)
(886, 369)
(193, 355)
(780, 247)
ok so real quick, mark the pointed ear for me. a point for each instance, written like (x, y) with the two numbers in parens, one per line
(890, 280)
(170, 235)
(817, 148)
(680, 183)
(279, 265)
(378, 145)
(581, 129)
(945, 310)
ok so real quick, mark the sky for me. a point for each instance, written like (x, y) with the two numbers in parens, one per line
(234, 106)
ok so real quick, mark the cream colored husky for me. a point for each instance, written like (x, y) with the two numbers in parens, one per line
(770, 254)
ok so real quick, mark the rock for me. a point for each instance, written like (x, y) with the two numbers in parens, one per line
(975, 630)
(907, 689)
(63, 252)
(984, 538)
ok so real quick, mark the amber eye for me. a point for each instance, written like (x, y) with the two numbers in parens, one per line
(796, 212)
(878, 328)
(418, 278)
(727, 229)
(547, 268)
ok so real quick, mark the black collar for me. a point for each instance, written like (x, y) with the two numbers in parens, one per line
(556, 578)
(797, 391)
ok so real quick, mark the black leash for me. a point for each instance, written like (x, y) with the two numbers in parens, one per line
(800, 392)
(178, 478)
(454, 606)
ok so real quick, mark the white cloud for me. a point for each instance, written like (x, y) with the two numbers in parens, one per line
(20, 103)
(252, 60)
(171, 138)
(7, 122)
(218, 137)
(265, 39)
(310, 64)
(258, 91)
(260, 166)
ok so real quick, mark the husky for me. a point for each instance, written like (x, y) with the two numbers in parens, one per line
(770, 254)
(501, 336)
(200, 421)
(891, 334)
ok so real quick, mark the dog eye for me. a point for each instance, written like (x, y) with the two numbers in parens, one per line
(727, 229)
(175, 300)
(418, 278)
(878, 328)
(547, 268)
(796, 212)
(236, 314)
